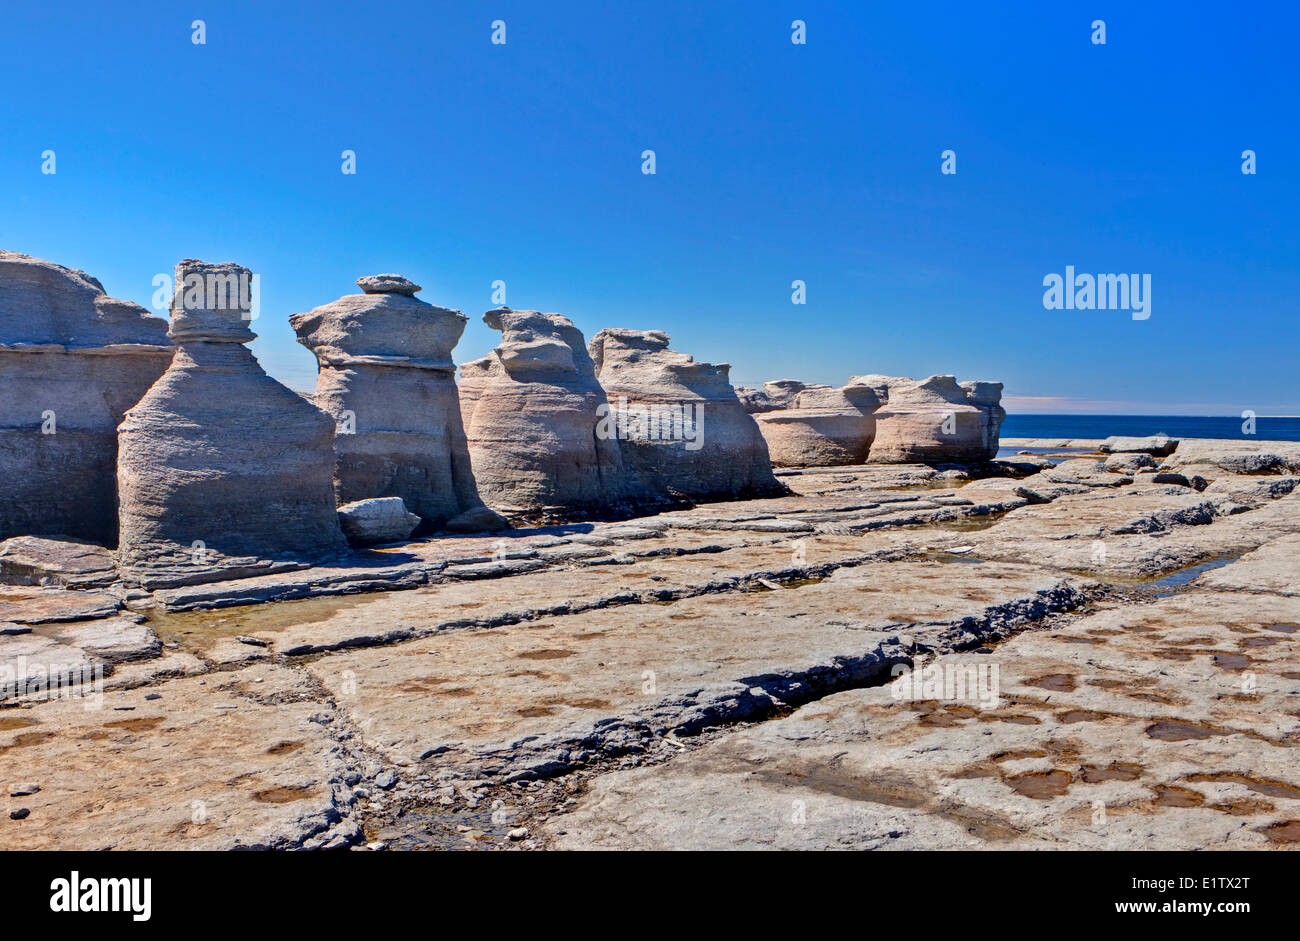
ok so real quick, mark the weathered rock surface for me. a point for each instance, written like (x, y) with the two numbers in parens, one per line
(1161, 726)
(527, 698)
(386, 377)
(383, 519)
(532, 437)
(43, 605)
(70, 563)
(1236, 457)
(518, 669)
(934, 420)
(221, 469)
(678, 422)
(474, 375)
(1157, 445)
(240, 760)
(112, 640)
(814, 425)
(72, 361)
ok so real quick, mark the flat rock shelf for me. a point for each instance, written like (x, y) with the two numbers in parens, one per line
(1049, 650)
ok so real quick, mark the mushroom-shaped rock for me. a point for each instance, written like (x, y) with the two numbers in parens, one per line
(222, 471)
(678, 422)
(935, 420)
(72, 361)
(533, 436)
(387, 379)
(814, 425)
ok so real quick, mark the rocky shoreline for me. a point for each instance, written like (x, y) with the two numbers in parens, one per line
(714, 677)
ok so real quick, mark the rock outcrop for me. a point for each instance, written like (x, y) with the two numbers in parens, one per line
(222, 471)
(72, 361)
(934, 420)
(474, 375)
(809, 425)
(1155, 445)
(379, 520)
(387, 379)
(532, 437)
(678, 422)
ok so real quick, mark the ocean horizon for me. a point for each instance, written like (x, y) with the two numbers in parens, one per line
(1176, 426)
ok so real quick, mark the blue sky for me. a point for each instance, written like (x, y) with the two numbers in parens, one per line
(775, 162)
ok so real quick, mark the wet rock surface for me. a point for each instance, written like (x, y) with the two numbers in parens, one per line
(709, 677)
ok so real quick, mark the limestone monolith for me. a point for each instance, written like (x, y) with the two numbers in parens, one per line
(72, 361)
(387, 378)
(222, 471)
(678, 422)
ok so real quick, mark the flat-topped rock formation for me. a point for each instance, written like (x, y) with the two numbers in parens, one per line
(532, 436)
(809, 425)
(72, 361)
(934, 420)
(222, 471)
(678, 422)
(387, 379)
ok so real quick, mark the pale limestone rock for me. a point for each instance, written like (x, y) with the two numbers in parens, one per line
(532, 437)
(72, 361)
(388, 284)
(70, 563)
(386, 377)
(809, 425)
(1157, 445)
(679, 423)
(222, 470)
(474, 375)
(383, 519)
(935, 420)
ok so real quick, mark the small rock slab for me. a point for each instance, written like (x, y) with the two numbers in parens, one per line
(388, 284)
(71, 563)
(43, 605)
(114, 640)
(1156, 445)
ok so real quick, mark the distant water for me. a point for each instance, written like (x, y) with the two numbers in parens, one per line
(1176, 426)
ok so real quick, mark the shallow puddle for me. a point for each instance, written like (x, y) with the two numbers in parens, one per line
(198, 628)
(1173, 730)
(1183, 576)
(1040, 785)
(1115, 771)
(1286, 832)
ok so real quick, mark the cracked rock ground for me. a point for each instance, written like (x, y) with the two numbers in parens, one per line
(719, 677)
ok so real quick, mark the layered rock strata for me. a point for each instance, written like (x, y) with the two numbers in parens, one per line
(222, 471)
(533, 438)
(387, 378)
(678, 422)
(809, 425)
(934, 420)
(72, 361)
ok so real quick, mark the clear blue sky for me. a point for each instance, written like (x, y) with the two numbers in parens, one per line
(521, 162)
